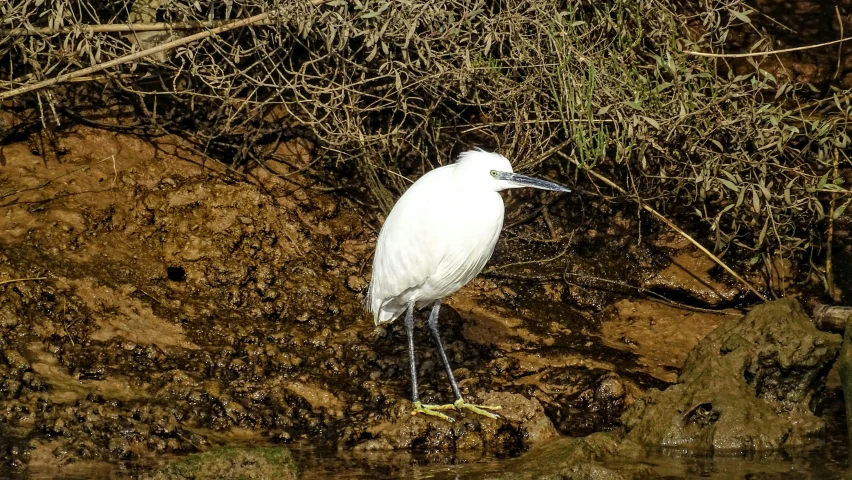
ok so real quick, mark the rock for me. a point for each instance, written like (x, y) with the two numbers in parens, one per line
(231, 463)
(844, 367)
(747, 386)
(526, 413)
(522, 422)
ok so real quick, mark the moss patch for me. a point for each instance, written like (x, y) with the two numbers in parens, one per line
(231, 463)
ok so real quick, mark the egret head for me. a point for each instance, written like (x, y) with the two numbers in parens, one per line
(493, 171)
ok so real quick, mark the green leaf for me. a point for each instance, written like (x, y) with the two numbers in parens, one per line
(740, 198)
(662, 87)
(742, 16)
(729, 175)
(762, 235)
(651, 121)
(733, 186)
(839, 211)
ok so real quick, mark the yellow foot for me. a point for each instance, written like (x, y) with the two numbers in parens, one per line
(433, 410)
(477, 409)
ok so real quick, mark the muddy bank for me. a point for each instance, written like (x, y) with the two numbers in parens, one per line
(174, 307)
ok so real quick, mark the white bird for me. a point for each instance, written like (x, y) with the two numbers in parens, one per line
(438, 236)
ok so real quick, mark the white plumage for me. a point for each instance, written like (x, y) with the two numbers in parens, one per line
(438, 236)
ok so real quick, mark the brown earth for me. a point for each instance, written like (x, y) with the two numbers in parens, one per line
(156, 302)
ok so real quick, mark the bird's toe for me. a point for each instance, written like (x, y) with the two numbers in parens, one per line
(478, 409)
(433, 410)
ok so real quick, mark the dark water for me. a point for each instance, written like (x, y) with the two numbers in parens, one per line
(826, 458)
(826, 461)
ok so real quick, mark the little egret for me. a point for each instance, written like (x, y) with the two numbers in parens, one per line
(438, 237)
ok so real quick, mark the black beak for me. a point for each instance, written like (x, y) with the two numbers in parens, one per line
(525, 181)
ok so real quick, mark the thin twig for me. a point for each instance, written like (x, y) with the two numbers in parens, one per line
(549, 153)
(118, 28)
(658, 297)
(535, 213)
(829, 273)
(31, 279)
(23, 80)
(672, 226)
(760, 54)
(64, 327)
(840, 46)
(563, 278)
(496, 268)
(48, 182)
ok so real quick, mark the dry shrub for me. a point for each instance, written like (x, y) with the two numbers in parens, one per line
(387, 89)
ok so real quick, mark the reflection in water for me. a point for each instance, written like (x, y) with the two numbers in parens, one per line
(825, 459)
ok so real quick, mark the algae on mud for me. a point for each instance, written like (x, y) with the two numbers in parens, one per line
(231, 463)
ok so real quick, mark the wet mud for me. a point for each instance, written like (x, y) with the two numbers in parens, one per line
(163, 305)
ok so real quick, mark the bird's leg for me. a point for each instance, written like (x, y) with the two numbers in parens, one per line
(459, 403)
(415, 396)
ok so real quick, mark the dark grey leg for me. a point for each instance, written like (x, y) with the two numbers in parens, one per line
(433, 327)
(409, 329)
(459, 403)
(415, 396)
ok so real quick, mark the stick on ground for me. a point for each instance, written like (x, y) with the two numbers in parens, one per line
(31, 279)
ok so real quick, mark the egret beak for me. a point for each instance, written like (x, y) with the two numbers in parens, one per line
(519, 180)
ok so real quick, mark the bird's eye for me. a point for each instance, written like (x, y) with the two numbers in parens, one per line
(494, 173)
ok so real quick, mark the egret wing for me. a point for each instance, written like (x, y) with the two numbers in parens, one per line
(409, 249)
(469, 241)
